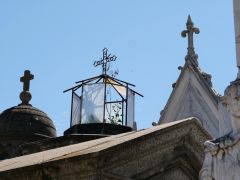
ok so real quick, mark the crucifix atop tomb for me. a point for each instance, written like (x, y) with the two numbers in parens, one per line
(189, 32)
(105, 60)
(26, 80)
(25, 95)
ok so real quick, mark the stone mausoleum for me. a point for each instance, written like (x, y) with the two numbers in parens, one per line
(197, 135)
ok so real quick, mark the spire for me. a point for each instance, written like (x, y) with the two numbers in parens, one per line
(191, 55)
(25, 95)
(189, 21)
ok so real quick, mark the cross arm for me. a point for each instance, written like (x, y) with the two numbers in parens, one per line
(184, 33)
(196, 30)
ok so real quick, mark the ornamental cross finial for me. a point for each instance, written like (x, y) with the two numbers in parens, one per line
(26, 96)
(26, 80)
(105, 60)
(191, 55)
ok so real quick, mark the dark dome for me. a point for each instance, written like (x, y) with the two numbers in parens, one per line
(25, 119)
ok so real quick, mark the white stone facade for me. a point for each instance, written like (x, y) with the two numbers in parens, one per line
(222, 156)
(222, 159)
(193, 96)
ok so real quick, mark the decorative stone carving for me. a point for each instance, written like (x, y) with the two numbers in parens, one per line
(208, 78)
(232, 100)
(222, 156)
(224, 118)
(25, 95)
(191, 55)
(193, 94)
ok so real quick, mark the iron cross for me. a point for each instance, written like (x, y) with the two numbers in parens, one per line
(26, 80)
(190, 31)
(105, 60)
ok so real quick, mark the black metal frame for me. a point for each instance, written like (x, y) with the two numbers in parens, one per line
(122, 102)
(80, 97)
(104, 78)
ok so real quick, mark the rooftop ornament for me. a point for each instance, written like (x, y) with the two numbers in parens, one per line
(191, 55)
(105, 60)
(25, 95)
(103, 99)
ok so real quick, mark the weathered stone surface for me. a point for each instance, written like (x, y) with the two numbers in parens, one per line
(177, 173)
(52, 143)
(232, 101)
(98, 128)
(10, 145)
(22, 124)
(222, 155)
(222, 159)
(225, 126)
(26, 119)
(170, 151)
(193, 96)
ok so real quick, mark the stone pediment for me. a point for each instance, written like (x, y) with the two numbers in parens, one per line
(169, 151)
(193, 96)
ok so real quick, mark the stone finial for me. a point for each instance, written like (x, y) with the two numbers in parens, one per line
(25, 95)
(208, 78)
(191, 55)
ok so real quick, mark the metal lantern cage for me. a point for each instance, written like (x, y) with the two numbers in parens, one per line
(103, 99)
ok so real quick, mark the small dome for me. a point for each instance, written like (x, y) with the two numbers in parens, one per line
(25, 119)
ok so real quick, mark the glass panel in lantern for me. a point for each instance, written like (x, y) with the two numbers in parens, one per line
(76, 109)
(130, 108)
(121, 89)
(114, 113)
(112, 94)
(93, 103)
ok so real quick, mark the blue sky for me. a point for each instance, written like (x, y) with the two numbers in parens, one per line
(59, 40)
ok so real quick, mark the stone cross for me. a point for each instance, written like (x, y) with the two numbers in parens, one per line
(25, 95)
(191, 55)
(105, 60)
(26, 80)
(236, 7)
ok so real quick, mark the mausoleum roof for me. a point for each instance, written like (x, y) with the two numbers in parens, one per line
(134, 154)
(25, 119)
